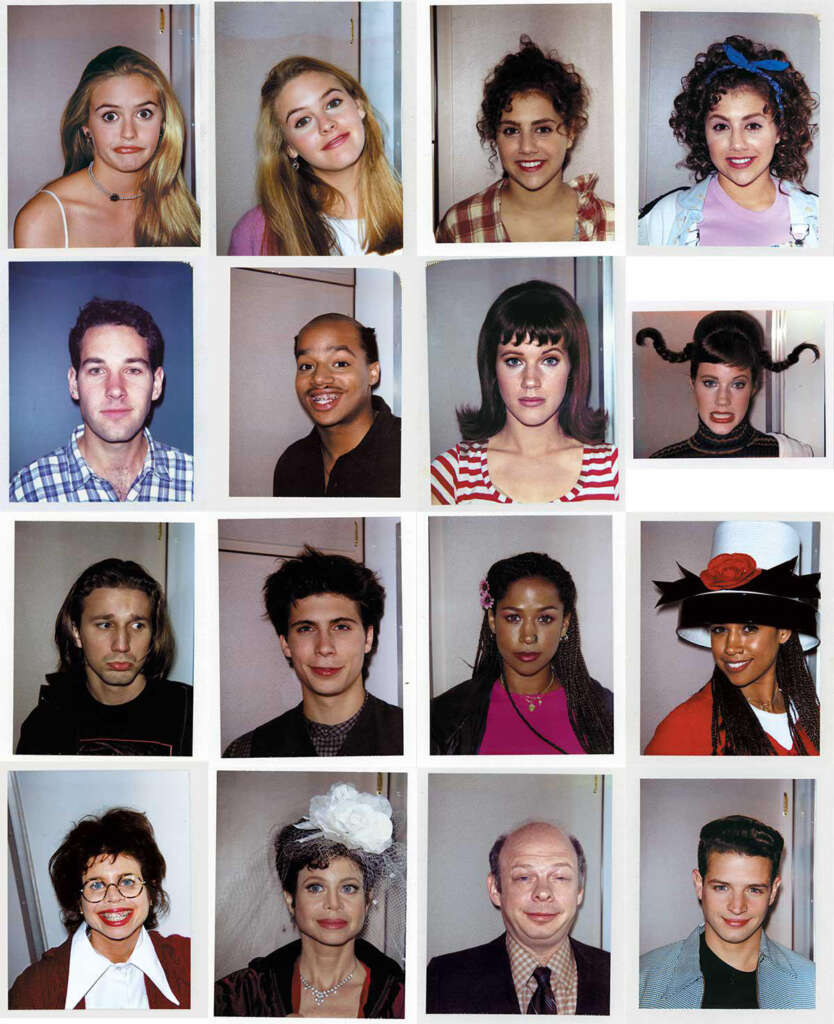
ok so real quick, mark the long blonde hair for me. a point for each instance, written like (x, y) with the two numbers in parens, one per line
(293, 201)
(168, 214)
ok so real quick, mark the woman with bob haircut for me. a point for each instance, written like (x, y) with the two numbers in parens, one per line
(107, 875)
(336, 866)
(744, 117)
(534, 109)
(324, 184)
(727, 358)
(534, 437)
(530, 691)
(758, 617)
(123, 136)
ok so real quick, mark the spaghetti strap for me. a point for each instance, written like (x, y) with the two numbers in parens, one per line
(63, 215)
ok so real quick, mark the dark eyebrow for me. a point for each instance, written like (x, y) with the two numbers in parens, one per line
(747, 117)
(98, 360)
(118, 106)
(312, 622)
(330, 348)
(327, 92)
(544, 608)
(539, 120)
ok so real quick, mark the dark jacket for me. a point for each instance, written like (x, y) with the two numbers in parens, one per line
(69, 720)
(264, 988)
(370, 470)
(459, 716)
(479, 980)
(43, 985)
(378, 730)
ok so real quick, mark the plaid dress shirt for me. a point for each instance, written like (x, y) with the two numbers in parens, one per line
(478, 218)
(564, 980)
(64, 475)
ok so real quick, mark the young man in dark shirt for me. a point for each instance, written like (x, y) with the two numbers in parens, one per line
(111, 693)
(353, 450)
(326, 610)
(730, 963)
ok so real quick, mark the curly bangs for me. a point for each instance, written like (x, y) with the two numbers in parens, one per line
(295, 849)
(532, 70)
(714, 75)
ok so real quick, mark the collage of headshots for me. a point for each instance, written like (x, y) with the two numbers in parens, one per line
(533, 543)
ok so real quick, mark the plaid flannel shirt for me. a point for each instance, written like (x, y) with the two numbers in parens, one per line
(478, 218)
(564, 981)
(64, 475)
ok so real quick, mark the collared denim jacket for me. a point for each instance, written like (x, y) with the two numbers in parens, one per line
(671, 979)
(675, 219)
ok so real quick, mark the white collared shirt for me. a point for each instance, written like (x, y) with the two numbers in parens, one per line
(107, 986)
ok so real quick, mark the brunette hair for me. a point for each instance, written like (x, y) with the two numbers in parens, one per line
(114, 573)
(545, 314)
(590, 719)
(366, 335)
(294, 201)
(118, 831)
(532, 70)
(498, 846)
(117, 312)
(740, 834)
(714, 75)
(735, 729)
(732, 337)
(168, 214)
(295, 849)
(313, 572)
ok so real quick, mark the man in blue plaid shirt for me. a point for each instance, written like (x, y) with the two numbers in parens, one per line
(116, 351)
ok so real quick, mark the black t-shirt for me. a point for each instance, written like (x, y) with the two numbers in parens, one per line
(725, 988)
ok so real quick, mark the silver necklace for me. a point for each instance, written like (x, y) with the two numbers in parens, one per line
(114, 197)
(320, 994)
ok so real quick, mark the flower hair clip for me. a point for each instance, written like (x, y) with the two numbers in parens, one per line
(485, 596)
(359, 821)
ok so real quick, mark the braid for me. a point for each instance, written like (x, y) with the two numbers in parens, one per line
(734, 721)
(790, 360)
(660, 346)
(591, 721)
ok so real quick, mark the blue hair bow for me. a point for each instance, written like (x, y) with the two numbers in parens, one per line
(755, 67)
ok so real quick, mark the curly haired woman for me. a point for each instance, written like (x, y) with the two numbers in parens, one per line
(744, 115)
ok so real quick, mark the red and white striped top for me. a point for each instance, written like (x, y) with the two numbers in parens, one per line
(462, 474)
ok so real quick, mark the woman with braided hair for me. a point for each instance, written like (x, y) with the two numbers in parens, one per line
(726, 357)
(758, 616)
(530, 691)
(744, 116)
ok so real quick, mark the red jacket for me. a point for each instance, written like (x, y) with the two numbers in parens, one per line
(43, 986)
(687, 730)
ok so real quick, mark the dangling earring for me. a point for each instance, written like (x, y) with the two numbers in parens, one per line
(295, 163)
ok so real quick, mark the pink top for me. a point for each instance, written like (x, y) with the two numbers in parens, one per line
(726, 223)
(248, 234)
(507, 734)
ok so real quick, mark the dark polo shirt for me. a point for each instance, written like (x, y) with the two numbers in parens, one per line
(370, 470)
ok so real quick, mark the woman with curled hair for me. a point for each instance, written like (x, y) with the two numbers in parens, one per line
(534, 108)
(534, 437)
(530, 691)
(758, 617)
(334, 866)
(123, 137)
(107, 875)
(744, 117)
(324, 183)
(727, 358)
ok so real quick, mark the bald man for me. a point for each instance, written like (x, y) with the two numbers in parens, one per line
(537, 881)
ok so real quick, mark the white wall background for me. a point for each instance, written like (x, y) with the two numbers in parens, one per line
(661, 387)
(672, 813)
(671, 668)
(49, 558)
(267, 310)
(471, 40)
(53, 801)
(252, 807)
(461, 550)
(467, 813)
(669, 43)
(256, 683)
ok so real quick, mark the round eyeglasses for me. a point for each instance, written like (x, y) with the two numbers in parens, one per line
(95, 889)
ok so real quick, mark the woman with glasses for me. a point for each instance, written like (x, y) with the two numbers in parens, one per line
(107, 875)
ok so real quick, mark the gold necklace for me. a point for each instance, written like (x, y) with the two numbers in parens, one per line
(765, 705)
(534, 700)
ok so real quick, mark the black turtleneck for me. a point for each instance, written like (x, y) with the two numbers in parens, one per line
(743, 442)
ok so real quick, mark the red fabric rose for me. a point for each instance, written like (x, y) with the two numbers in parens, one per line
(729, 571)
